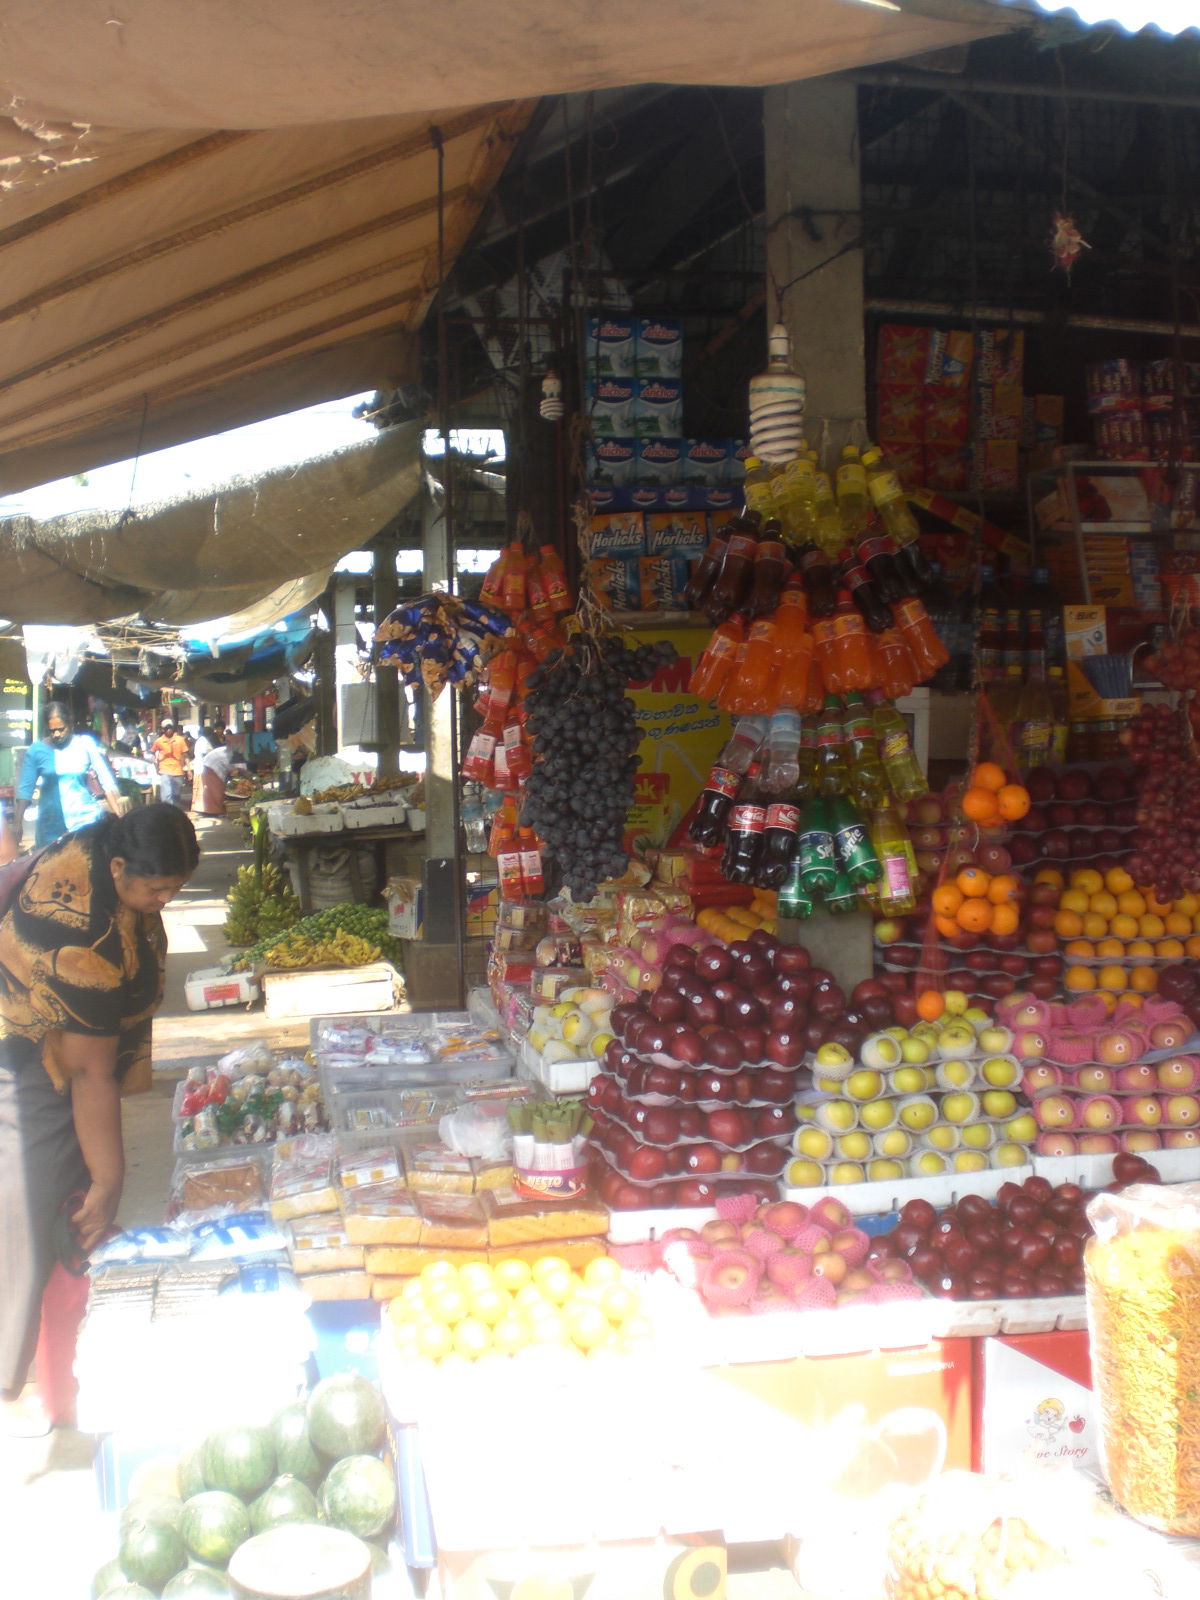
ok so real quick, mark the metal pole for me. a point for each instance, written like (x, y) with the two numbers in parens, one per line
(947, 82)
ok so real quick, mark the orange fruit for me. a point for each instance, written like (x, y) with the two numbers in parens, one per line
(1178, 924)
(1125, 926)
(980, 805)
(1094, 925)
(1117, 881)
(1110, 949)
(1171, 948)
(1155, 906)
(973, 881)
(1081, 980)
(1134, 1000)
(1080, 947)
(1192, 946)
(930, 1005)
(1113, 978)
(1049, 875)
(1151, 926)
(1013, 802)
(946, 926)
(1187, 904)
(1073, 900)
(1143, 980)
(1130, 903)
(988, 775)
(1111, 999)
(946, 899)
(1003, 887)
(1087, 879)
(1005, 919)
(1104, 903)
(1068, 924)
(974, 915)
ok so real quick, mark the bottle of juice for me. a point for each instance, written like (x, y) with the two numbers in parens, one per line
(852, 652)
(825, 654)
(924, 646)
(555, 578)
(890, 501)
(852, 498)
(829, 534)
(905, 778)
(868, 780)
(897, 893)
(793, 645)
(895, 671)
(833, 768)
(752, 688)
(771, 571)
(717, 661)
(729, 696)
(757, 487)
(492, 592)
(795, 492)
(989, 625)
(513, 598)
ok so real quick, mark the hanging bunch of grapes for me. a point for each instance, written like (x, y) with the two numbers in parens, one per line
(585, 738)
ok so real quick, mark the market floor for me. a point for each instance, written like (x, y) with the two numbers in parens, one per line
(55, 1534)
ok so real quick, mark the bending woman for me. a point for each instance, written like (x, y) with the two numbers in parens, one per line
(81, 975)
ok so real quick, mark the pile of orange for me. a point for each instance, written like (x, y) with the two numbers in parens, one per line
(1113, 932)
(990, 799)
(975, 901)
(482, 1310)
(735, 922)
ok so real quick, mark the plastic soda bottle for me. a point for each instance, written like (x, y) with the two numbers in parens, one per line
(866, 597)
(868, 780)
(818, 575)
(733, 583)
(793, 645)
(904, 775)
(895, 673)
(814, 849)
(829, 534)
(852, 843)
(795, 902)
(780, 829)
(852, 498)
(888, 497)
(724, 780)
(757, 486)
(717, 661)
(772, 569)
(879, 556)
(705, 572)
(924, 646)
(781, 771)
(833, 770)
(744, 831)
(755, 668)
(795, 493)
(897, 893)
(843, 896)
(554, 576)
(806, 758)
(851, 650)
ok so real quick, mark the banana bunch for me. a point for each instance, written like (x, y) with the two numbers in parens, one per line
(258, 907)
(296, 950)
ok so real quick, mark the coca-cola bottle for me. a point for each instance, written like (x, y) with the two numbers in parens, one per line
(721, 786)
(771, 571)
(706, 571)
(732, 587)
(744, 831)
(819, 579)
(878, 556)
(780, 831)
(863, 592)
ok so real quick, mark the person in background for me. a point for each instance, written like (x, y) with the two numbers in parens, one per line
(170, 755)
(82, 952)
(207, 740)
(212, 777)
(74, 782)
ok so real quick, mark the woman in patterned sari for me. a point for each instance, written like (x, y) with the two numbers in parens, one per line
(81, 976)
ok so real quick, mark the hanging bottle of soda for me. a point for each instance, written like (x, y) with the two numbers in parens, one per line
(771, 571)
(843, 896)
(833, 770)
(704, 573)
(555, 578)
(819, 578)
(754, 669)
(868, 780)
(927, 650)
(890, 501)
(781, 751)
(744, 831)
(862, 591)
(793, 645)
(852, 496)
(905, 778)
(806, 759)
(795, 902)
(880, 560)
(814, 849)
(897, 891)
(513, 597)
(780, 830)
(492, 591)
(851, 650)
(716, 663)
(724, 780)
(893, 668)
(733, 584)
(852, 843)
(729, 696)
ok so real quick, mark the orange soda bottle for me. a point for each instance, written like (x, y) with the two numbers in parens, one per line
(927, 650)
(512, 598)
(793, 646)
(718, 661)
(752, 688)
(852, 650)
(825, 653)
(815, 691)
(555, 578)
(894, 671)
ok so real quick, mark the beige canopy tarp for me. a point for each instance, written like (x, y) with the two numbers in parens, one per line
(217, 210)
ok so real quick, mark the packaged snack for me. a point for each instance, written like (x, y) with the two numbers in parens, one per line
(302, 1177)
(247, 1236)
(321, 1244)
(219, 1185)
(386, 1215)
(338, 1286)
(452, 1222)
(514, 1219)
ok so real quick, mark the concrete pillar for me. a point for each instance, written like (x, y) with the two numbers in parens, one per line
(390, 706)
(345, 646)
(814, 209)
(444, 902)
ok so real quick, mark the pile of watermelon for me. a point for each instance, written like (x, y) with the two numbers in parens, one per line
(316, 1462)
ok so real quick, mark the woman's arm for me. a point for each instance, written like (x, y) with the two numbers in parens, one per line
(89, 1065)
(112, 795)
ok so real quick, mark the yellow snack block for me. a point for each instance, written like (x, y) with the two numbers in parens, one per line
(387, 1215)
(452, 1222)
(512, 1219)
(338, 1286)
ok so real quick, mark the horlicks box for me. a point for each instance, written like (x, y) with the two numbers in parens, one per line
(658, 408)
(705, 461)
(661, 582)
(682, 533)
(613, 460)
(615, 582)
(658, 461)
(611, 346)
(610, 404)
(617, 533)
(659, 347)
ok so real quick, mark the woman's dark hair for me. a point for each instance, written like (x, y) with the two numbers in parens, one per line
(55, 708)
(154, 841)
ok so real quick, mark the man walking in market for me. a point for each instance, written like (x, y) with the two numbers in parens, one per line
(170, 753)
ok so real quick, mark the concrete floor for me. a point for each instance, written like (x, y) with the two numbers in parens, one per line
(55, 1535)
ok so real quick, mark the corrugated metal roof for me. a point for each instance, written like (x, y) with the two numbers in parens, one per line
(1168, 16)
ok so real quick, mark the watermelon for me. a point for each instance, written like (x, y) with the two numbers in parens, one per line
(200, 1581)
(345, 1416)
(213, 1525)
(191, 1475)
(359, 1495)
(287, 1500)
(164, 1508)
(294, 1453)
(150, 1552)
(129, 1591)
(109, 1576)
(239, 1460)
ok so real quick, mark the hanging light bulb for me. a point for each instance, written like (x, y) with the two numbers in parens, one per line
(552, 408)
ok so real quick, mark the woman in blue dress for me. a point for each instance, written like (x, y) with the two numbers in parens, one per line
(58, 767)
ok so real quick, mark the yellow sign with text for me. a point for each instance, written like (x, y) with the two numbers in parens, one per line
(680, 739)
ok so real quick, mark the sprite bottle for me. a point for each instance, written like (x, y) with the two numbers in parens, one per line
(795, 902)
(853, 850)
(843, 896)
(814, 849)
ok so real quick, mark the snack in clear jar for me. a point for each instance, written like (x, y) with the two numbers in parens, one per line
(967, 1538)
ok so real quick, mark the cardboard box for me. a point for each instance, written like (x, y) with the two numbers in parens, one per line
(908, 460)
(610, 404)
(613, 461)
(645, 1570)
(616, 582)
(210, 989)
(949, 359)
(611, 345)
(404, 908)
(900, 413)
(1000, 358)
(658, 408)
(332, 993)
(997, 466)
(946, 468)
(705, 461)
(947, 416)
(674, 533)
(902, 354)
(1034, 1403)
(616, 533)
(659, 461)
(659, 351)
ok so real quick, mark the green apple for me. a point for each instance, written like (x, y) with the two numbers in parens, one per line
(897, 1031)
(884, 1171)
(893, 1143)
(915, 1051)
(957, 1003)
(959, 1107)
(877, 1114)
(828, 1085)
(881, 1051)
(999, 1103)
(854, 1146)
(928, 1164)
(599, 1044)
(538, 1038)
(814, 1143)
(977, 1018)
(805, 1175)
(995, 1040)
(956, 1041)
(863, 1085)
(1009, 1155)
(839, 1116)
(943, 1137)
(970, 1161)
(924, 1030)
(908, 1080)
(834, 1060)
(957, 1074)
(978, 1136)
(1000, 1072)
(1022, 1129)
(918, 1114)
(847, 1172)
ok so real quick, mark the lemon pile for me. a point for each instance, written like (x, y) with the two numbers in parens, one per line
(483, 1310)
(1114, 933)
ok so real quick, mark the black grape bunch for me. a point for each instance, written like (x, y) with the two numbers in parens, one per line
(585, 738)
